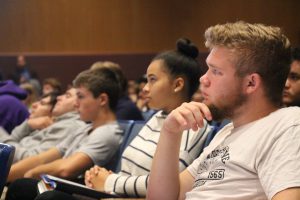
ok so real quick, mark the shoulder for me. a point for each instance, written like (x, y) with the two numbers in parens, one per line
(156, 121)
(109, 130)
(8, 99)
(284, 117)
(158, 116)
(108, 135)
(12, 104)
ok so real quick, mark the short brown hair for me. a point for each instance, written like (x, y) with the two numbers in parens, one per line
(56, 84)
(259, 48)
(116, 68)
(100, 81)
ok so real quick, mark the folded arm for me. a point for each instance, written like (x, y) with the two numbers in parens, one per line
(20, 168)
(17, 134)
(67, 168)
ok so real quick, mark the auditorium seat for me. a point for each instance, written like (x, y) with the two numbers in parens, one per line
(6, 157)
(130, 133)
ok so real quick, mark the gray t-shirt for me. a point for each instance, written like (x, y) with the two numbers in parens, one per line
(29, 142)
(100, 144)
(251, 162)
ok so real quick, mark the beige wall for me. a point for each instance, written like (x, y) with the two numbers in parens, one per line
(128, 26)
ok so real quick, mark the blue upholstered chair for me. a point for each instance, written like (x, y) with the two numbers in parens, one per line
(216, 126)
(137, 126)
(126, 126)
(129, 134)
(148, 114)
(7, 153)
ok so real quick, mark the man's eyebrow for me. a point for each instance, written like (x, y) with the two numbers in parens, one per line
(212, 66)
(150, 75)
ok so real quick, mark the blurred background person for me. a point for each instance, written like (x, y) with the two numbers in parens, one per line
(132, 90)
(22, 71)
(23, 74)
(197, 96)
(51, 85)
(291, 92)
(32, 95)
(12, 111)
(142, 101)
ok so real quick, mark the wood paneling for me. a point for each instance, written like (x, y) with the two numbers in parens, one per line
(205, 13)
(84, 26)
(128, 26)
(62, 37)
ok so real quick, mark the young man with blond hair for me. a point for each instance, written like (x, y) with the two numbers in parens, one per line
(257, 155)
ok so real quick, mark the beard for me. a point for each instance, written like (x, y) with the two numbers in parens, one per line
(227, 109)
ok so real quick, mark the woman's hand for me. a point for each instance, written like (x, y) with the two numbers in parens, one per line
(95, 177)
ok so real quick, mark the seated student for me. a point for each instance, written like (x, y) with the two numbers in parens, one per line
(51, 85)
(32, 95)
(40, 133)
(132, 89)
(126, 109)
(172, 79)
(291, 92)
(142, 101)
(12, 111)
(94, 144)
(44, 106)
(40, 108)
(257, 155)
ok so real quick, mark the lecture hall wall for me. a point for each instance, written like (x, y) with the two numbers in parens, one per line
(62, 37)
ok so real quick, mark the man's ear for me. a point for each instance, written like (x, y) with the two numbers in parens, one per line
(252, 82)
(103, 99)
(178, 84)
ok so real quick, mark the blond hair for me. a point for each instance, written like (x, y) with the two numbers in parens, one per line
(105, 64)
(116, 68)
(260, 49)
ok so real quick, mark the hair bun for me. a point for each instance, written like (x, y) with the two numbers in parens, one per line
(186, 47)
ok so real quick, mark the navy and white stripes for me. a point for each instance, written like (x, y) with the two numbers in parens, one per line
(137, 157)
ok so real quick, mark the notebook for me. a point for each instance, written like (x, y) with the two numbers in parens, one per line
(49, 183)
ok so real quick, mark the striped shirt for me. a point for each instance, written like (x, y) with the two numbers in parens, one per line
(138, 156)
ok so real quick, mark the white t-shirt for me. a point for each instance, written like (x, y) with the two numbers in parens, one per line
(251, 162)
